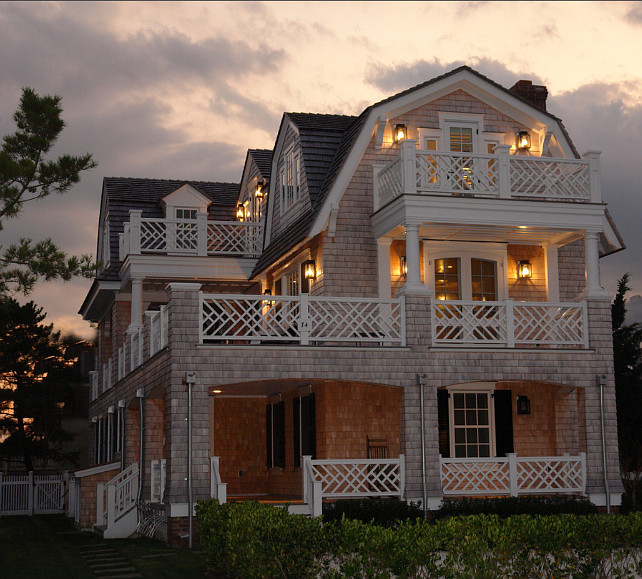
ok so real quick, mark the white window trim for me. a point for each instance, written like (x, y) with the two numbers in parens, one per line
(190, 209)
(473, 388)
(465, 252)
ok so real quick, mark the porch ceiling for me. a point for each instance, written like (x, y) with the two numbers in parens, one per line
(264, 388)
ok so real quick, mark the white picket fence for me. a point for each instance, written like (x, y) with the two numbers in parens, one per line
(31, 494)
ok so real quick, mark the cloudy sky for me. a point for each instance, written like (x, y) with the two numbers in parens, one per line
(181, 90)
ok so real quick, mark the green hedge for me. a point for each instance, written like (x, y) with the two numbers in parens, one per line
(252, 540)
(507, 506)
(384, 512)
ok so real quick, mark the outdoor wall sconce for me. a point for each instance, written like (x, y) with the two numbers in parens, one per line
(524, 269)
(523, 405)
(400, 133)
(310, 269)
(523, 140)
(268, 292)
(240, 212)
(259, 189)
(404, 265)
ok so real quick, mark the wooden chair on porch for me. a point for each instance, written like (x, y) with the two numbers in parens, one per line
(377, 448)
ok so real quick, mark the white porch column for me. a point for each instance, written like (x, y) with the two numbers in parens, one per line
(592, 258)
(383, 257)
(413, 277)
(137, 303)
(552, 273)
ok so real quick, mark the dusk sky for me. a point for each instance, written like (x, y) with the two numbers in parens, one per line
(181, 90)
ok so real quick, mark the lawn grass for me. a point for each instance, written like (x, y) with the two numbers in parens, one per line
(46, 547)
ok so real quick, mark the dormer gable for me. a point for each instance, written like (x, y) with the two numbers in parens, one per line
(185, 197)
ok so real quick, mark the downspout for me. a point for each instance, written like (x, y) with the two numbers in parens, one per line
(421, 379)
(140, 394)
(600, 380)
(190, 379)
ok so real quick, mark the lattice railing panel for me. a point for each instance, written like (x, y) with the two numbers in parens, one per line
(550, 178)
(549, 475)
(358, 478)
(469, 322)
(389, 182)
(301, 319)
(461, 476)
(248, 318)
(456, 172)
(354, 320)
(549, 323)
(153, 236)
(233, 238)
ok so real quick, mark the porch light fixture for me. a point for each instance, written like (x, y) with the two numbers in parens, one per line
(268, 292)
(524, 269)
(523, 140)
(240, 212)
(310, 269)
(404, 265)
(259, 189)
(523, 405)
(400, 133)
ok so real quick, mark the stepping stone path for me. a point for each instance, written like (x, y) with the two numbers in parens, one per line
(103, 560)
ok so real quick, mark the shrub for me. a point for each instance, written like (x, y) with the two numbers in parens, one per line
(383, 512)
(249, 540)
(507, 506)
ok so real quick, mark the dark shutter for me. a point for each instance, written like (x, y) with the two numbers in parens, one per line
(442, 420)
(277, 287)
(268, 433)
(296, 418)
(305, 282)
(503, 422)
(279, 434)
(308, 427)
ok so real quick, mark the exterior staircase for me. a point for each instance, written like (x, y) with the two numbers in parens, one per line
(116, 512)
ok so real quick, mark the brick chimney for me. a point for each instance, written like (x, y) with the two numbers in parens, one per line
(533, 93)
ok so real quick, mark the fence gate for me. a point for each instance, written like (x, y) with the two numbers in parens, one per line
(28, 494)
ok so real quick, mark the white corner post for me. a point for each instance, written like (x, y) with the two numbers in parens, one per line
(503, 163)
(383, 258)
(413, 277)
(135, 216)
(593, 160)
(408, 166)
(592, 257)
(201, 233)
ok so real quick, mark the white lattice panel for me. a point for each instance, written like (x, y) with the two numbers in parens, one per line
(389, 182)
(358, 478)
(233, 238)
(248, 318)
(153, 236)
(549, 178)
(354, 320)
(475, 476)
(469, 322)
(549, 323)
(550, 475)
(300, 318)
(456, 172)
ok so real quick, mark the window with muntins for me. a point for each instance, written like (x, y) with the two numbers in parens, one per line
(290, 179)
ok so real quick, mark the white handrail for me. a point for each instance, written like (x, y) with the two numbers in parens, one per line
(218, 489)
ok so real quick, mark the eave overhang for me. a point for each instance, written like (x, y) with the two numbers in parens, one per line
(99, 298)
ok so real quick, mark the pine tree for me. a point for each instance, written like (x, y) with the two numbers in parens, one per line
(34, 385)
(26, 175)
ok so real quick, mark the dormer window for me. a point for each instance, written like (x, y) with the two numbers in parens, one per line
(290, 179)
(183, 213)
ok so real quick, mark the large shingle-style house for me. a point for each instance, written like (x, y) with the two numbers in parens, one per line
(406, 302)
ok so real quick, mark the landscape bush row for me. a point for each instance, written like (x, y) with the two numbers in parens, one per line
(250, 540)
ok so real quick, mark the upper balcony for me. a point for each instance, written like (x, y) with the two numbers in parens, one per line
(195, 237)
(498, 175)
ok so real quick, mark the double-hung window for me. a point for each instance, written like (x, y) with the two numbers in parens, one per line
(186, 233)
(290, 178)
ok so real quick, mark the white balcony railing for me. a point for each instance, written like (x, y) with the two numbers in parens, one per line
(157, 330)
(218, 489)
(301, 319)
(513, 475)
(489, 175)
(189, 237)
(509, 324)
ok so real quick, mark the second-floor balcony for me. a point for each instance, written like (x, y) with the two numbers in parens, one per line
(499, 175)
(200, 237)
